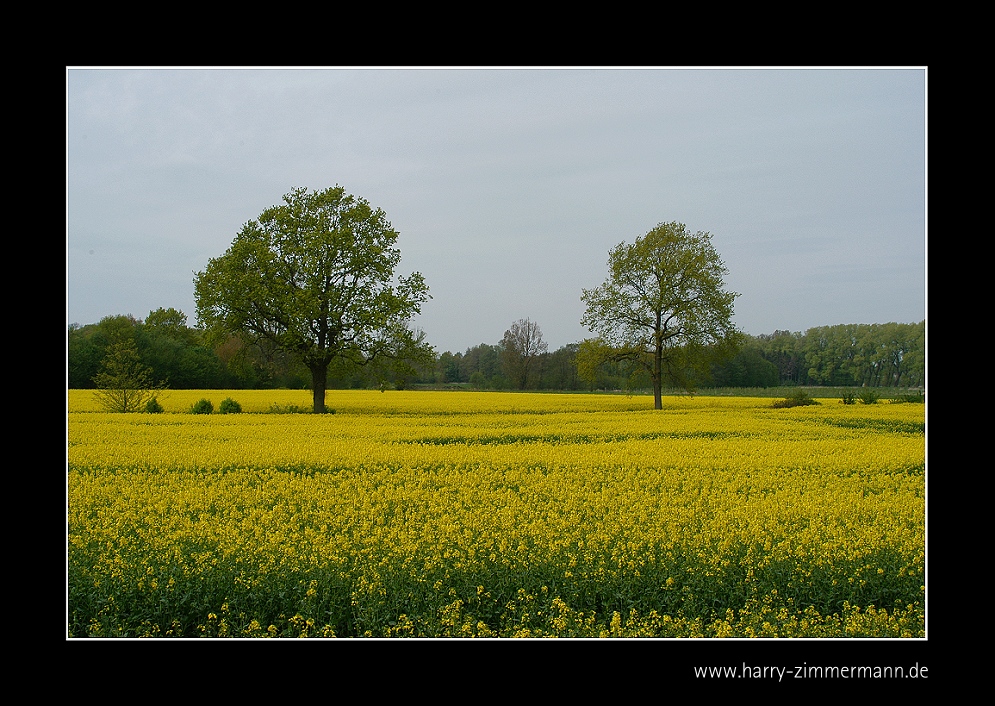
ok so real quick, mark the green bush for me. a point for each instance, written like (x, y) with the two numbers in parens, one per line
(848, 397)
(153, 406)
(869, 396)
(798, 399)
(203, 406)
(287, 409)
(229, 406)
(913, 397)
(294, 409)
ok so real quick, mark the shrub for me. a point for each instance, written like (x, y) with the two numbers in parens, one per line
(229, 406)
(798, 399)
(848, 397)
(868, 396)
(203, 406)
(287, 409)
(294, 409)
(153, 406)
(914, 397)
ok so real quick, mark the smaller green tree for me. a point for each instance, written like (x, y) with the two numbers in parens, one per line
(663, 307)
(522, 349)
(123, 383)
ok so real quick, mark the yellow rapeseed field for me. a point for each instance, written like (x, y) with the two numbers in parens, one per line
(463, 514)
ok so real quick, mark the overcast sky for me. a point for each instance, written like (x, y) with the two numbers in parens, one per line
(509, 186)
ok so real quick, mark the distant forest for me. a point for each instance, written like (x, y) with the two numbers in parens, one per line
(859, 355)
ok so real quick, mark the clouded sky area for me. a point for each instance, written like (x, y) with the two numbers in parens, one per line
(509, 186)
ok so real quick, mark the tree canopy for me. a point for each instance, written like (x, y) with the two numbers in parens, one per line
(315, 277)
(124, 384)
(521, 349)
(663, 306)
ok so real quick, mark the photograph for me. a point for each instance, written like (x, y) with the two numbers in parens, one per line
(632, 357)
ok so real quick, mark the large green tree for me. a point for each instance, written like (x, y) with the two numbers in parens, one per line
(663, 306)
(315, 277)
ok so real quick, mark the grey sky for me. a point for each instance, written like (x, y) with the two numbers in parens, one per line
(510, 185)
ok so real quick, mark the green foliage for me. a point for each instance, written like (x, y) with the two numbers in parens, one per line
(407, 357)
(747, 368)
(864, 355)
(911, 397)
(848, 355)
(848, 397)
(314, 277)
(892, 357)
(229, 406)
(799, 399)
(202, 406)
(663, 307)
(153, 406)
(521, 349)
(294, 409)
(124, 384)
(869, 396)
(169, 349)
(170, 323)
(84, 355)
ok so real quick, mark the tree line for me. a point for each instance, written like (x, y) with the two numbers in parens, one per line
(307, 295)
(178, 355)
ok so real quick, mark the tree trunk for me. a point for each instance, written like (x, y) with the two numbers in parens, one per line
(319, 379)
(658, 361)
(658, 378)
